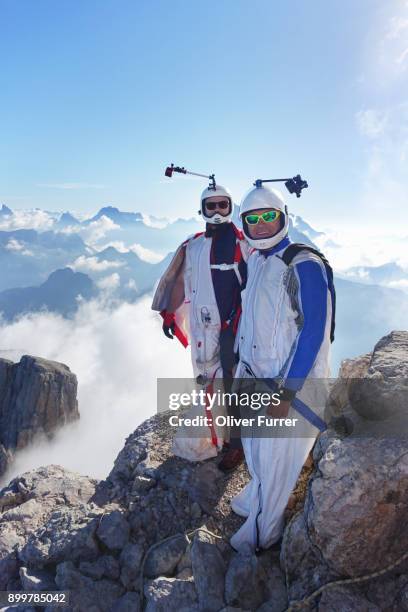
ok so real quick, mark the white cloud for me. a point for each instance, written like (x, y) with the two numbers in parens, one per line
(16, 246)
(131, 284)
(392, 46)
(363, 248)
(109, 283)
(27, 219)
(153, 222)
(399, 284)
(95, 231)
(397, 26)
(117, 356)
(146, 254)
(92, 264)
(385, 181)
(372, 123)
(119, 245)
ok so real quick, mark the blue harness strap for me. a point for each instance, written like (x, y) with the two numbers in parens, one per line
(308, 414)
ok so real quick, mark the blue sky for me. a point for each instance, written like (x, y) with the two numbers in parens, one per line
(98, 96)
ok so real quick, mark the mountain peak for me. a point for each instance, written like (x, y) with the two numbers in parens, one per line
(5, 211)
(118, 216)
(67, 219)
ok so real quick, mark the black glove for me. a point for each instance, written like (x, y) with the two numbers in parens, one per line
(169, 325)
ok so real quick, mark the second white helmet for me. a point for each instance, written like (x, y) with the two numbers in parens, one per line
(259, 198)
(210, 193)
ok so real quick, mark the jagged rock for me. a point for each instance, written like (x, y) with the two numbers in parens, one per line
(91, 537)
(357, 498)
(387, 589)
(67, 534)
(250, 580)
(361, 494)
(5, 459)
(129, 602)
(36, 397)
(113, 530)
(163, 560)
(9, 541)
(350, 371)
(195, 511)
(203, 485)
(36, 580)
(209, 572)
(278, 600)
(85, 593)
(185, 561)
(26, 506)
(131, 560)
(165, 594)
(104, 567)
(306, 570)
(141, 484)
(383, 390)
(345, 599)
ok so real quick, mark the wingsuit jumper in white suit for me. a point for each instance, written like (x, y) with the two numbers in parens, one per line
(198, 323)
(284, 334)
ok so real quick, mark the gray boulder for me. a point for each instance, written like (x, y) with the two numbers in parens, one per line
(36, 580)
(131, 560)
(89, 537)
(85, 593)
(346, 599)
(209, 572)
(382, 392)
(163, 560)
(357, 498)
(37, 396)
(251, 581)
(129, 602)
(26, 507)
(165, 594)
(104, 567)
(113, 530)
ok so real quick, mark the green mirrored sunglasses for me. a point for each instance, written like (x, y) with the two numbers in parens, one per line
(268, 216)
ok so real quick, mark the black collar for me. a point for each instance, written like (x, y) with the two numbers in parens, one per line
(222, 228)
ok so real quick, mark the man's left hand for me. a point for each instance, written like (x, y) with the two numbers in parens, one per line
(280, 411)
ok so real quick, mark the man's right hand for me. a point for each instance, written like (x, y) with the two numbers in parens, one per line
(169, 325)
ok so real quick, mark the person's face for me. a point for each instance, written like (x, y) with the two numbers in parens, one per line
(262, 229)
(217, 204)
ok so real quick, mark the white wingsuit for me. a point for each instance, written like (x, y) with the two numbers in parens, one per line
(269, 338)
(199, 324)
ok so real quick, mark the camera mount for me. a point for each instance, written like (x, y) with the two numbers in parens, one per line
(172, 168)
(293, 185)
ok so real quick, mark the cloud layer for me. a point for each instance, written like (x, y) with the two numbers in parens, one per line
(117, 356)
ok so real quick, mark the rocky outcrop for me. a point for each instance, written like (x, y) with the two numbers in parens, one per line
(111, 543)
(356, 509)
(36, 397)
(155, 534)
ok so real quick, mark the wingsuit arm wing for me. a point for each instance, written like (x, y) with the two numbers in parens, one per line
(172, 277)
(169, 296)
(177, 293)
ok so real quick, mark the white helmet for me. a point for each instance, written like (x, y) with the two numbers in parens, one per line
(264, 197)
(210, 193)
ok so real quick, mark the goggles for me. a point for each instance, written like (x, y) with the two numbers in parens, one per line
(268, 217)
(223, 205)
